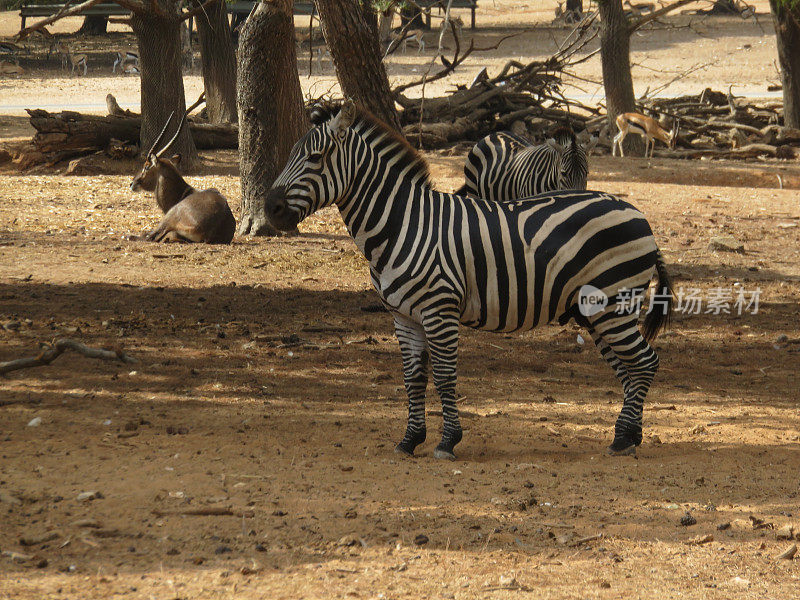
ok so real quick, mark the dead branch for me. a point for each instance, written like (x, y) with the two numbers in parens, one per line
(57, 348)
(644, 20)
(64, 12)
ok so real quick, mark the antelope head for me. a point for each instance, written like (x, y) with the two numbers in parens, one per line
(155, 166)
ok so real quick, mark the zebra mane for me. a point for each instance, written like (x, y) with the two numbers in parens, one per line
(564, 136)
(413, 159)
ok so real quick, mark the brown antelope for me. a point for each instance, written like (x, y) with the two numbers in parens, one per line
(647, 127)
(190, 215)
(125, 57)
(400, 38)
(8, 68)
(67, 57)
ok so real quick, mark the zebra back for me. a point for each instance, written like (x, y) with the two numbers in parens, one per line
(503, 166)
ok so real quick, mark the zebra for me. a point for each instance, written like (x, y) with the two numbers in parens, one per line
(504, 166)
(438, 260)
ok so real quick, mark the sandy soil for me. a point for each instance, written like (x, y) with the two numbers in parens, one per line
(263, 388)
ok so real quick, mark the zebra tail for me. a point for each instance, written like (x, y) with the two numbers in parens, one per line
(660, 314)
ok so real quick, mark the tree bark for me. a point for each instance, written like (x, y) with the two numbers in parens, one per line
(787, 29)
(158, 36)
(270, 102)
(357, 55)
(615, 58)
(94, 25)
(218, 59)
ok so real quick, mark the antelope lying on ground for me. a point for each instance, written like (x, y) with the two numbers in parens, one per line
(648, 128)
(8, 68)
(126, 58)
(191, 215)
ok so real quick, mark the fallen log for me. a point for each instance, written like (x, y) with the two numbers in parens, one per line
(71, 131)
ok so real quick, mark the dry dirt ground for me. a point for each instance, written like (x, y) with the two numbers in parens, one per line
(264, 390)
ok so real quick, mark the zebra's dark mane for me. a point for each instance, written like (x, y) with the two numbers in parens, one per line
(413, 159)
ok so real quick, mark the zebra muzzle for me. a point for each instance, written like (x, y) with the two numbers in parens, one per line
(278, 211)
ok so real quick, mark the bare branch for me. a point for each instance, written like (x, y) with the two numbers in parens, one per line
(57, 348)
(641, 21)
(64, 12)
(198, 9)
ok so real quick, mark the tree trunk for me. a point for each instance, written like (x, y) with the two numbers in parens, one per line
(161, 78)
(787, 29)
(615, 59)
(94, 25)
(218, 60)
(357, 55)
(270, 102)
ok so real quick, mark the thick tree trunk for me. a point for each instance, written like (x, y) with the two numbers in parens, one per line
(218, 59)
(94, 25)
(270, 102)
(787, 29)
(615, 59)
(161, 78)
(357, 55)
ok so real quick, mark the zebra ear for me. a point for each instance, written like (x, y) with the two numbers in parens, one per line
(347, 114)
(555, 145)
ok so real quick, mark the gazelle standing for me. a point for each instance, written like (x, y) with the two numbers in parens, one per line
(647, 127)
(67, 57)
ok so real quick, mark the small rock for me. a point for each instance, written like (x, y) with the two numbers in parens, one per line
(261, 548)
(697, 429)
(41, 538)
(785, 533)
(688, 520)
(507, 581)
(347, 541)
(7, 498)
(35, 422)
(222, 550)
(87, 496)
(725, 243)
(604, 584)
(788, 554)
(421, 539)
(723, 526)
(350, 513)
(701, 539)
(740, 581)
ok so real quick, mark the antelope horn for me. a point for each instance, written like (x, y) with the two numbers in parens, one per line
(174, 137)
(160, 135)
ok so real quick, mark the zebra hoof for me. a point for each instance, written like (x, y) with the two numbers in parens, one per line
(399, 449)
(613, 450)
(443, 453)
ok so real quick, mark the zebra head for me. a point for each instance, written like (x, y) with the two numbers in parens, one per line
(314, 176)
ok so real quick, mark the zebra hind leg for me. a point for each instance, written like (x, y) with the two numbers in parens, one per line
(640, 363)
(413, 348)
(442, 335)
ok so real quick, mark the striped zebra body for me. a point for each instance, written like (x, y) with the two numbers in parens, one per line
(438, 260)
(503, 166)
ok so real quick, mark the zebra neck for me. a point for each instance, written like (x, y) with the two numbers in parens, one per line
(382, 211)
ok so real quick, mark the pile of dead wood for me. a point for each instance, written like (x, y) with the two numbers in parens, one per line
(718, 124)
(67, 135)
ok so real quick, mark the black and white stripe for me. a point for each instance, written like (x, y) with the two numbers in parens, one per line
(503, 166)
(438, 260)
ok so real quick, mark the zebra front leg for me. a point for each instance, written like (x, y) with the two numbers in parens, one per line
(414, 349)
(442, 333)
